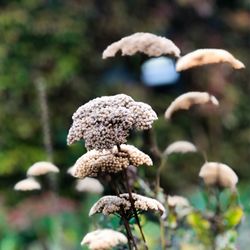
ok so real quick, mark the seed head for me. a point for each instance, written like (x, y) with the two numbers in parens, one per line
(95, 162)
(113, 204)
(215, 173)
(27, 184)
(89, 185)
(104, 239)
(146, 43)
(180, 147)
(189, 99)
(207, 56)
(106, 121)
(41, 168)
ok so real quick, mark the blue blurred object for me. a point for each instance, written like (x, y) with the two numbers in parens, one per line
(159, 71)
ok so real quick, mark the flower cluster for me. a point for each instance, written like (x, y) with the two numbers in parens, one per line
(109, 161)
(113, 204)
(146, 43)
(106, 121)
(104, 239)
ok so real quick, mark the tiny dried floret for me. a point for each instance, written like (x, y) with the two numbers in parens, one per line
(89, 185)
(27, 184)
(114, 204)
(177, 201)
(41, 168)
(215, 173)
(185, 101)
(146, 43)
(95, 162)
(207, 56)
(106, 121)
(104, 239)
(180, 147)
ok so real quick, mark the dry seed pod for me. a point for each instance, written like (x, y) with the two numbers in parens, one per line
(180, 147)
(207, 56)
(104, 239)
(27, 184)
(41, 168)
(215, 173)
(89, 185)
(146, 43)
(186, 100)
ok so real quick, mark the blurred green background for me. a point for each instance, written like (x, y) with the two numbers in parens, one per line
(61, 43)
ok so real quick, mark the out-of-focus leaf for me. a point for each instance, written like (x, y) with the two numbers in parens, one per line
(233, 216)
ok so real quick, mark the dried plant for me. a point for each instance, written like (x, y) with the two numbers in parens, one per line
(41, 168)
(180, 147)
(27, 184)
(95, 162)
(185, 101)
(215, 173)
(104, 239)
(146, 43)
(106, 121)
(207, 56)
(89, 185)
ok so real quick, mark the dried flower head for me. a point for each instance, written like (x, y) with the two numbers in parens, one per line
(71, 170)
(215, 173)
(177, 201)
(41, 168)
(27, 184)
(106, 121)
(146, 43)
(207, 56)
(186, 100)
(89, 185)
(112, 204)
(180, 147)
(95, 162)
(104, 239)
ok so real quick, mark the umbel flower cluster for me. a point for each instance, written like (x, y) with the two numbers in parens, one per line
(106, 121)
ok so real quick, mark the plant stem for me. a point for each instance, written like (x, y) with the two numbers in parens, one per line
(133, 207)
(158, 175)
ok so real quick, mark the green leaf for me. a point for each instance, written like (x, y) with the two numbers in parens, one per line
(233, 216)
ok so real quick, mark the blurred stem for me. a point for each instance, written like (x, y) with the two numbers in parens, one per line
(163, 235)
(43, 102)
(158, 174)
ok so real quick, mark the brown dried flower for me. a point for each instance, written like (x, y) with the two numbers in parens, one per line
(106, 121)
(89, 185)
(146, 43)
(207, 56)
(215, 173)
(27, 184)
(112, 204)
(104, 239)
(180, 147)
(109, 161)
(186, 100)
(41, 168)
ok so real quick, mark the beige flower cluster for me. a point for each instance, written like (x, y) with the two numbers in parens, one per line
(215, 173)
(109, 161)
(27, 184)
(207, 56)
(146, 43)
(185, 101)
(41, 168)
(104, 239)
(112, 204)
(89, 185)
(180, 147)
(106, 121)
